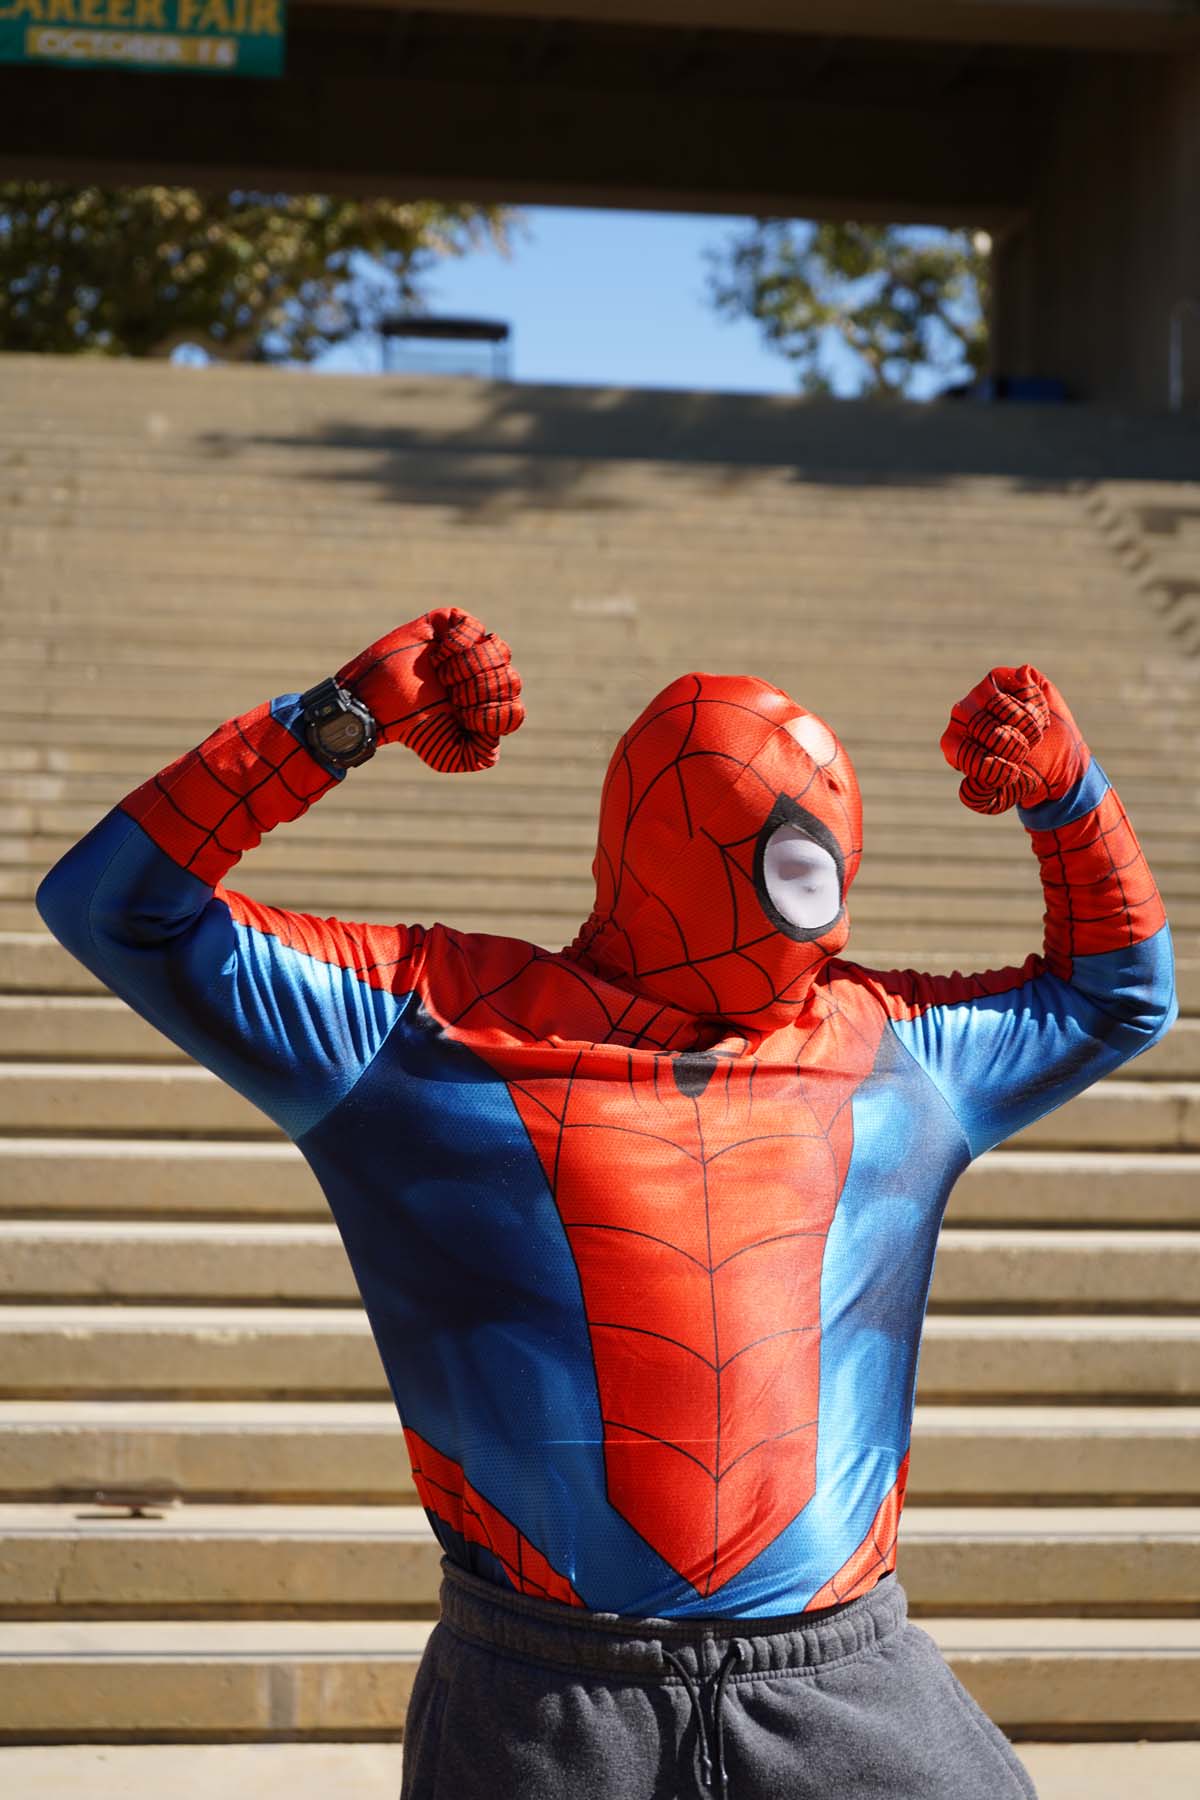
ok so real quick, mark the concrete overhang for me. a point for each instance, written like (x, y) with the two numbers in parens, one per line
(1062, 24)
(486, 106)
(785, 107)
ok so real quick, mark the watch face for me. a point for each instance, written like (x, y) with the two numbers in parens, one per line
(343, 735)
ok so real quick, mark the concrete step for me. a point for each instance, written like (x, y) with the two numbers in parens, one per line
(224, 412)
(306, 865)
(124, 1097)
(261, 508)
(155, 411)
(631, 641)
(86, 475)
(551, 749)
(90, 728)
(1077, 1187)
(612, 634)
(631, 604)
(167, 646)
(63, 1027)
(235, 1263)
(631, 580)
(935, 828)
(938, 586)
(74, 483)
(285, 1561)
(629, 585)
(297, 1561)
(911, 812)
(314, 1771)
(68, 443)
(532, 924)
(1054, 1454)
(218, 1679)
(1069, 1271)
(32, 961)
(1169, 1771)
(1122, 1114)
(233, 1352)
(983, 946)
(131, 1177)
(630, 632)
(446, 883)
(1028, 1674)
(471, 480)
(668, 612)
(508, 891)
(173, 1099)
(223, 1678)
(658, 529)
(939, 849)
(959, 858)
(349, 1452)
(562, 848)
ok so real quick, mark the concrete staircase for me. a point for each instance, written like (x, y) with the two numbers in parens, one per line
(207, 1524)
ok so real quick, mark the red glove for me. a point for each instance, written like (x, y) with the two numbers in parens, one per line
(442, 685)
(1015, 742)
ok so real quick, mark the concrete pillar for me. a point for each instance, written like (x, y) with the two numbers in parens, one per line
(1086, 287)
(1010, 337)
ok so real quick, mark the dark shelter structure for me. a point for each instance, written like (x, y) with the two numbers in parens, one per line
(1068, 128)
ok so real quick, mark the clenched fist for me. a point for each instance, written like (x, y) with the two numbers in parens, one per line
(1015, 742)
(442, 685)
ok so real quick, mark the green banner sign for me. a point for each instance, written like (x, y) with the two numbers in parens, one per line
(217, 37)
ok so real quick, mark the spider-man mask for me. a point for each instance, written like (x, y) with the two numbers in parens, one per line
(730, 830)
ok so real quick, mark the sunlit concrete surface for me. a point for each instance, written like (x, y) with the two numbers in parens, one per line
(372, 1771)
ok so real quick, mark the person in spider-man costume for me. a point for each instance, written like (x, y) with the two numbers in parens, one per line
(644, 1227)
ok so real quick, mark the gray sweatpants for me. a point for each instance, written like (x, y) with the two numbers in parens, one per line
(523, 1699)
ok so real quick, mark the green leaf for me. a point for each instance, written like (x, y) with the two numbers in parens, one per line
(137, 271)
(900, 301)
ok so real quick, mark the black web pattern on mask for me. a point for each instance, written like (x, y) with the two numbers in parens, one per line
(602, 929)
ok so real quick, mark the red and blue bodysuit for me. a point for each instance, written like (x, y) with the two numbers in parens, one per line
(644, 1227)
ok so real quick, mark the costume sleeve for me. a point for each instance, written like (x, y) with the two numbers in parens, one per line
(288, 1009)
(1007, 1046)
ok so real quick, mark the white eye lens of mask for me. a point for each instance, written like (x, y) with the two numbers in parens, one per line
(801, 879)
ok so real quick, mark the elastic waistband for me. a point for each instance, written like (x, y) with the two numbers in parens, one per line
(547, 1631)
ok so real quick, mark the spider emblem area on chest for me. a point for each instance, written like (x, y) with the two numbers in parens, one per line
(697, 1196)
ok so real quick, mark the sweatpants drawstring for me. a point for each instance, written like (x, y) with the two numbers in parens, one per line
(702, 1752)
(733, 1656)
(701, 1755)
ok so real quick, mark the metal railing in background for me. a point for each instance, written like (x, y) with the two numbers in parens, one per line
(494, 333)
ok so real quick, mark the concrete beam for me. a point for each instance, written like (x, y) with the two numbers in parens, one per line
(479, 118)
(1083, 24)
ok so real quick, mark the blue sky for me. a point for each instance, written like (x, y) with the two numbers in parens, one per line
(608, 298)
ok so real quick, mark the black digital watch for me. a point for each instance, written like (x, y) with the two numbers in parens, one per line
(338, 728)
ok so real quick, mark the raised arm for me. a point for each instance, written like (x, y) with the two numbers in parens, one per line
(1006, 1046)
(289, 1009)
